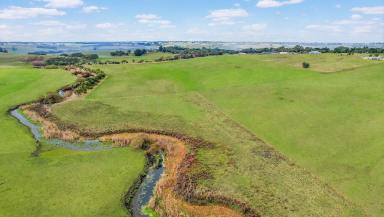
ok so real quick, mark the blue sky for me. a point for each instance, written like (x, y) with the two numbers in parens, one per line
(215, 20)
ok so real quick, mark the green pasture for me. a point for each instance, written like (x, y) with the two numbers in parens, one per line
(59, 182)
(328, 125)
(132, 58)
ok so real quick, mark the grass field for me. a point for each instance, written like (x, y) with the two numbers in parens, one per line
(147, 57)
(331, 124)
(11, 60)
(321, 63)
(59, 182)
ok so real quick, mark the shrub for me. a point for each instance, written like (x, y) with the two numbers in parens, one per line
(140, 52)
(306, 65)
(120, 53)
(51, 98)
(38, 63)
(84, 84)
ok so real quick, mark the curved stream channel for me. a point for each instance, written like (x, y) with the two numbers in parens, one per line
(143, 193)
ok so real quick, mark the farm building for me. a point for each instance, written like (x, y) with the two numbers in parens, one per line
(380, 58)
(314, 52)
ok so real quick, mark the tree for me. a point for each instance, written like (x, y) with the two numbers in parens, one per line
(77, 55)
(120, 53)
(306, 65)
(91, 56)
(298, 49)
(140, 52)
(341, 49)
(3, 50)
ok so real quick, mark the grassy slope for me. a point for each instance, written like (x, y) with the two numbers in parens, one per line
(59, 182)
(332, 124)
(303, 113)
(321, 63)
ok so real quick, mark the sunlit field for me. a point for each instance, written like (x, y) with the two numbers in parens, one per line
(328, 124)
(59, 182)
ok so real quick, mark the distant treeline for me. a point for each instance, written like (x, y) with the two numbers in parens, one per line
(301, 49)
(137, 52)
(3, 50)
(186, 53)
(72, 59)
(44, 52)
(121, 53)
(183, 52)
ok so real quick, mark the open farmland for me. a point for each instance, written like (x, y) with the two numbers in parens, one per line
(59, 182)
(131, 58)
(327, 124)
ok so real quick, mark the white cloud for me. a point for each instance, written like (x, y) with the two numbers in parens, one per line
(324, 28)
(147, 18)
(355, 26)
(24, 13)
(58, 24)
(63, 3)
(196, 31)
(363, 29)
(226, 16)
(107, 25)
(93, 9)
(49, 23)
(154, 20)
(356, 17)
(338, 6)
(255, 28)
(369, 10)
(275, 3)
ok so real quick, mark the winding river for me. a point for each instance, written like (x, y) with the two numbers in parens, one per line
(144, 192)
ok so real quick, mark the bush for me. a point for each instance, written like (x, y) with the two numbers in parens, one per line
(120, 53)
(84, 84)
(306, 65)
(140, 52)
(51, 98)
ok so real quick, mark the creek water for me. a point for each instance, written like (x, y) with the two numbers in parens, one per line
(87, 145)
(146, 188)
(61, 93)
(145, 191)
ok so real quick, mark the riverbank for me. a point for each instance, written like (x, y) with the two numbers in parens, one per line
(53, 129)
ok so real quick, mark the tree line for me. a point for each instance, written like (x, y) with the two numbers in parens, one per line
(72, 59)
(3, 50)
(185, 53)
(120, 53)
(301, 49)
(136, 52)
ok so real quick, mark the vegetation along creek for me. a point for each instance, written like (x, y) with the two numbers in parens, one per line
(138, 195)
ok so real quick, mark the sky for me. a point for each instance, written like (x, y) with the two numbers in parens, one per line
(197, 20)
